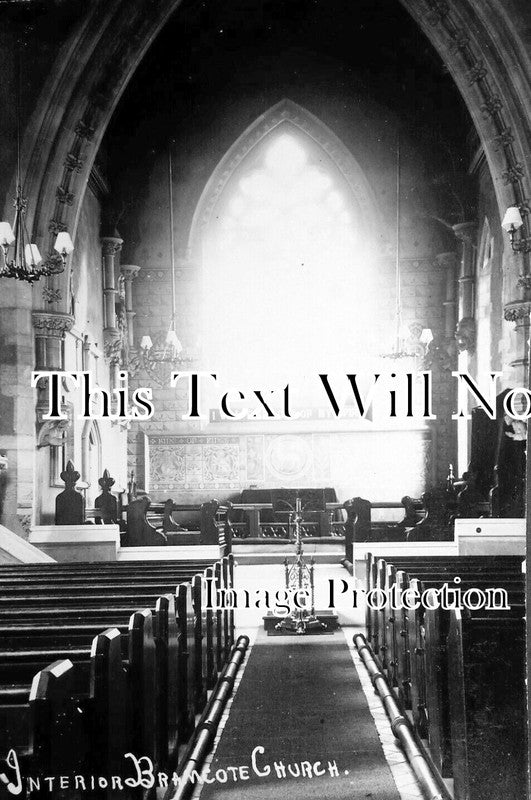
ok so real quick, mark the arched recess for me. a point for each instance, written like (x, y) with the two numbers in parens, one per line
(286, 111)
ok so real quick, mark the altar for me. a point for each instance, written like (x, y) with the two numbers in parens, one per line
(258, 512)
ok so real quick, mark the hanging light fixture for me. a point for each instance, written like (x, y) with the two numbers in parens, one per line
(26, 263)
(162, 353)
(411, 341)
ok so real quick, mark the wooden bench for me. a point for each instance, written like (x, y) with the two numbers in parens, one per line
(417, 650)
(163, 658)
(487, 703)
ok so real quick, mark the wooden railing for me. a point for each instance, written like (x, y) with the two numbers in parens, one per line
(141, 522)
(253, 527)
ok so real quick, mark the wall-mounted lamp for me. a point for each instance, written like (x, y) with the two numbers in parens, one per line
(513, 222)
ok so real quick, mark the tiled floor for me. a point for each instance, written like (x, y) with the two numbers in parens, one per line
(248, 620)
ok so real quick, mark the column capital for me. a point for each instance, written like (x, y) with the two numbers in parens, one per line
(52, 323)
(111, 245)
(129, 271)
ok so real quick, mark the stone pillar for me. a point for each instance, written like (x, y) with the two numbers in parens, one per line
(111, 245)
(447, 262)
(17, 406)
(465, 232)
(465, 332)
(518, 311)
(129, 272)
(50, 329)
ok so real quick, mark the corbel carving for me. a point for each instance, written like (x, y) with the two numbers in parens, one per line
(113, 344)
(64, 196)
(513, 174)
(84, 130)
(518, 310)
(53, 433)
(73, 162)
(477, 72)
(55, 226)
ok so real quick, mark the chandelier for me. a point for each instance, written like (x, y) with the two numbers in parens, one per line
(161, 353)
(26, 263)
(411, 341)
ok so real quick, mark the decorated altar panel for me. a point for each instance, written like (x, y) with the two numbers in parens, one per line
(378, 465)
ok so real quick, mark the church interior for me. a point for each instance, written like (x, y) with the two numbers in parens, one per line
(265, 294)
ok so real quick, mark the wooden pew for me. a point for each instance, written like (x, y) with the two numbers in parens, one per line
(486, 696)
(361, 527)
(395, 634)
(173, 678)
(37, 720)
(420, 660)
(95, 609)
(138, 648)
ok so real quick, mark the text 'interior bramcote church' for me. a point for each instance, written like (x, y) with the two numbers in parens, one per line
(265, 297)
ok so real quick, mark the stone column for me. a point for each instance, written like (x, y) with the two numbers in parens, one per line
(111, 245)
(448, 264)
(50, 329)
(465, 331)
(17, 406)
(518, 311)
(129, 272)
(465, 232)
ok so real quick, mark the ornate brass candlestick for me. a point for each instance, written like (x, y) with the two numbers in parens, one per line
(300, 576)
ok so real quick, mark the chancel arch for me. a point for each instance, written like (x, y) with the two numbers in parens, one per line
(75, 109)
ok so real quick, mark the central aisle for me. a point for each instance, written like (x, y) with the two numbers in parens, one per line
(301, 700)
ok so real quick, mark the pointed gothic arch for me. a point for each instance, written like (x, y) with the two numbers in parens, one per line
(289, 205)
(291, 115)
(486, 53)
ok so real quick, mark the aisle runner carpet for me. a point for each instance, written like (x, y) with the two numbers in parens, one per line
(301, 700)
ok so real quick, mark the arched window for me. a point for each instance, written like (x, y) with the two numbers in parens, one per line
(287, 289)
(91, 459)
